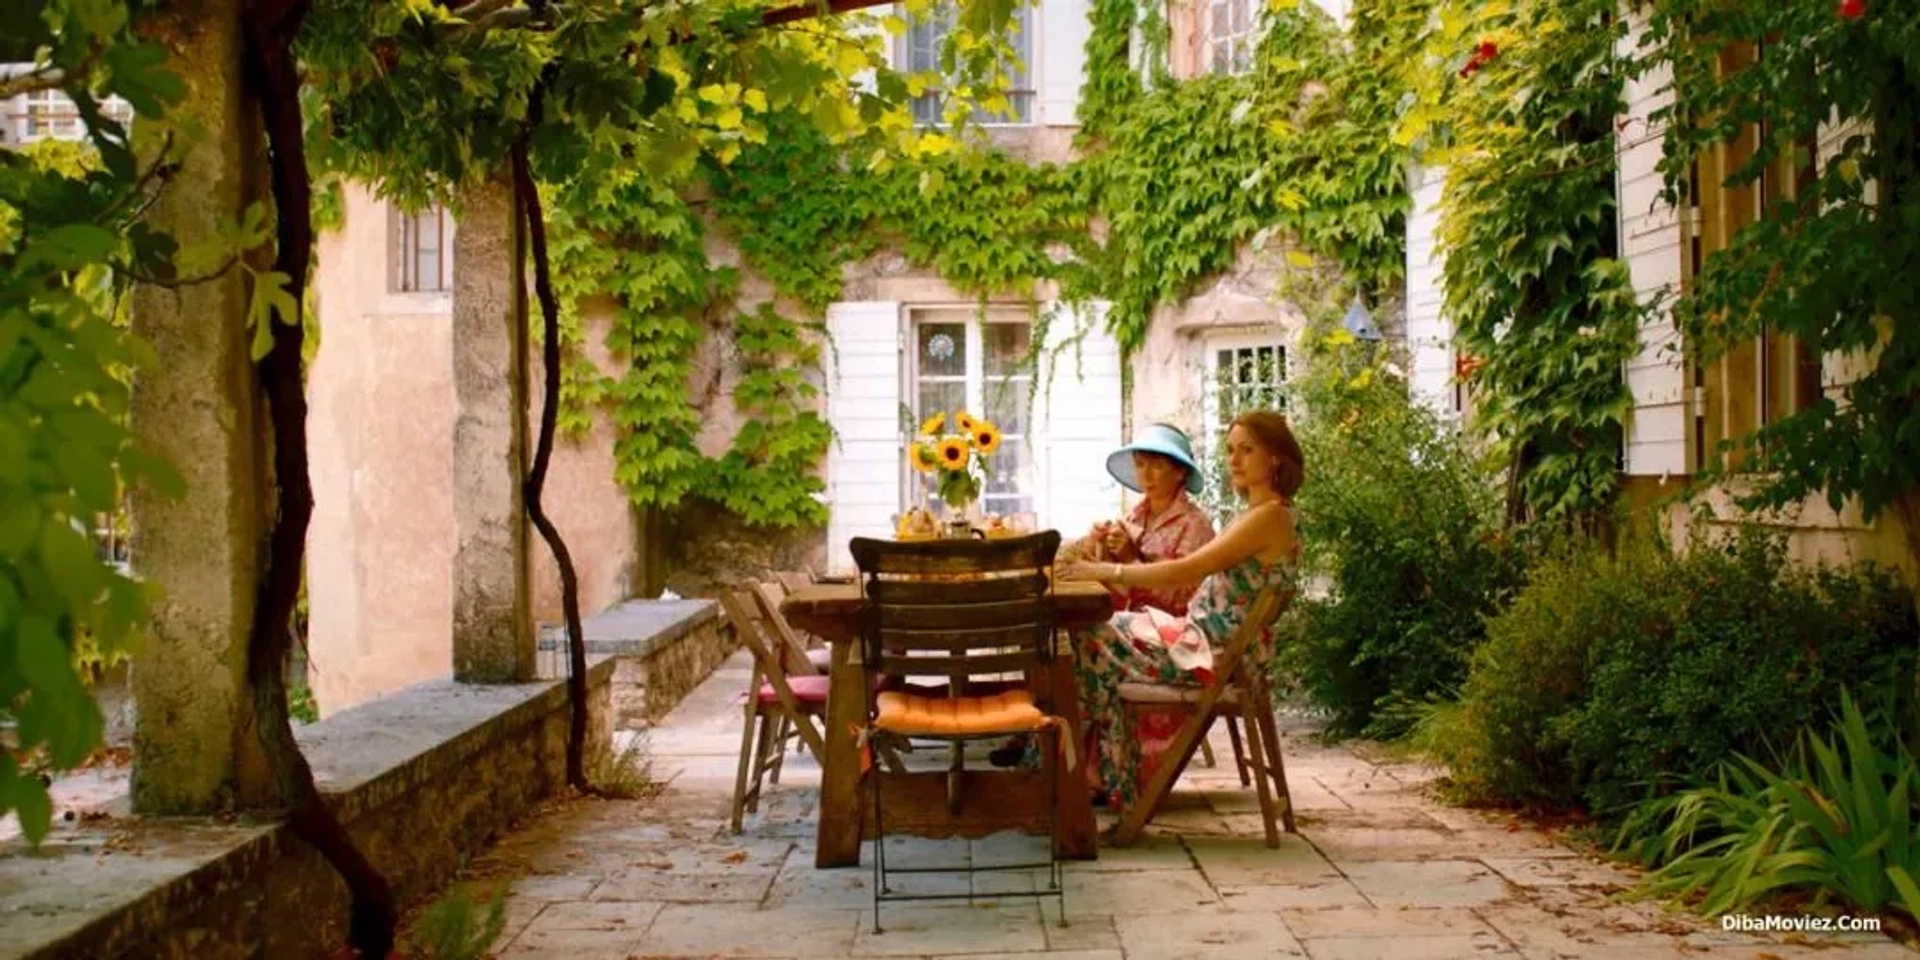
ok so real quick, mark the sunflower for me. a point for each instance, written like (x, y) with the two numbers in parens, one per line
(985, 437)
(923, 457)
(953, 453)
(933, 424)
(964, 421)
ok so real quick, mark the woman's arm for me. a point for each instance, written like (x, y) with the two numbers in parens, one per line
(1254, 532)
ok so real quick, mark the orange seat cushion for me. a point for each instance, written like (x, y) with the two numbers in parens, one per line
(906, 714)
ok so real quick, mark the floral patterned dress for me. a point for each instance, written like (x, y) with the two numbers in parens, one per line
(1153, 646)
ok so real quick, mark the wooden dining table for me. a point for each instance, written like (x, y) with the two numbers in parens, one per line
(917, 805)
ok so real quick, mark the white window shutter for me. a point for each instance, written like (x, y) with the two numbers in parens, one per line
(863, 405)
(1079, 419)
(1650, 243)
(1429, 334)
(1061, 48)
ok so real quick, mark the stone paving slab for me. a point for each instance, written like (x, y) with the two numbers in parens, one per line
(1378, 870)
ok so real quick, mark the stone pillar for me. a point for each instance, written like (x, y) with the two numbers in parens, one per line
(492, 625)
(200, 408)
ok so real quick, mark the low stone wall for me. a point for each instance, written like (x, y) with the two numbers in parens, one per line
(664, 648)
(421, 779)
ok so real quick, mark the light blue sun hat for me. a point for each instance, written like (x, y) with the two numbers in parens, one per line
(1162, 439)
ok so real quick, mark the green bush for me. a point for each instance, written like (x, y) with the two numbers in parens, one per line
(1839, 815)
(1611, 679)
(1399, 522)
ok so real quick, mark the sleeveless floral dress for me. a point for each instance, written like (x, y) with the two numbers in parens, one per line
(1153, 646)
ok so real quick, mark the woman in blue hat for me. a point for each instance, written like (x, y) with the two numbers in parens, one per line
(1258, 549)
(1165, 525)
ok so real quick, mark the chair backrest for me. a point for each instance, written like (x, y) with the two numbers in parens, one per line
(759, 634)
(794, 579)
(956, 608)
(784, 638)
(1266, 608)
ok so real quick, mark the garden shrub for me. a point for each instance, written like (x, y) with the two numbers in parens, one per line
(1398, 521)
(1612, 679)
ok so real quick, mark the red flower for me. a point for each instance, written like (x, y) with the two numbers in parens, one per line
(1488, 49)
(1852, 9)
(1466, 365)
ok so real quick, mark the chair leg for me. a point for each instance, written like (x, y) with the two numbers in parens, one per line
(956, 769)
(1262, 785)
(1270, 733)
(746, 761)
(1239, 752)
(763, 741)
(872, 785)
(783, 728)
(1133, 820)
(1206, 755)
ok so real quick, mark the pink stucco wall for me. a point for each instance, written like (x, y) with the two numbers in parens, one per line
(380, 549)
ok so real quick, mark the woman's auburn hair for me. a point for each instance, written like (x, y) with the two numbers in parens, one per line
(1271, 430)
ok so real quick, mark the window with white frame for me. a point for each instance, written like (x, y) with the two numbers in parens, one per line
(1230, 35)
(1243, 373)
(925, 35)
(51, 116)
(962, 360)
(422, 250)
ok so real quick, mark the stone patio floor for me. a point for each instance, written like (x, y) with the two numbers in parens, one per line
(1378, 870)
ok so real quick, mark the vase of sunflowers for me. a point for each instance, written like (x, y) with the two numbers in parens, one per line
(958, 461)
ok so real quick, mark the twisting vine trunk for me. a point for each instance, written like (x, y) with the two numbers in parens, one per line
(528, 194)
(275, 81)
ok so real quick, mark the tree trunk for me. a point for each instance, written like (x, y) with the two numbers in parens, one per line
(527, 193)
(278, 772)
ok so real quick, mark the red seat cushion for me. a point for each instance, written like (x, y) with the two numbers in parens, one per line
(809, 690)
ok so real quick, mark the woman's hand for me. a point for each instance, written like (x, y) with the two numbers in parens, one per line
(1118, 542)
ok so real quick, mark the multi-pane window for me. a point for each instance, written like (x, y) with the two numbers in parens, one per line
(925, 35)
(422, 251)
(1243, 374)
(112, 539)
(1230, 35)
(963, 361)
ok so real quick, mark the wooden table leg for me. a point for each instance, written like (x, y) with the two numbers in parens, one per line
(838, 842)
(1078, 840)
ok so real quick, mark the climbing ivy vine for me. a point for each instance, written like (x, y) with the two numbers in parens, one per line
(1175, 178)
(1516, 101)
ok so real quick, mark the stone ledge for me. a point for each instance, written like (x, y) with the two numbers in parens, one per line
(635, 628)
(420, 778)
(664, 648)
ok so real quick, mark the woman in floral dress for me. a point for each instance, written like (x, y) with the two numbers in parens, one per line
(1257, 549)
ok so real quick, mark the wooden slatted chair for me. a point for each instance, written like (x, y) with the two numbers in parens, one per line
(779, 705)
(1240, 690)
(801, 652)
(954, 610)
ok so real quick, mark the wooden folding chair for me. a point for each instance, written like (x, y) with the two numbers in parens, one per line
(779, 705)
(801, 652)
(794, 579)
(1240, 690)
